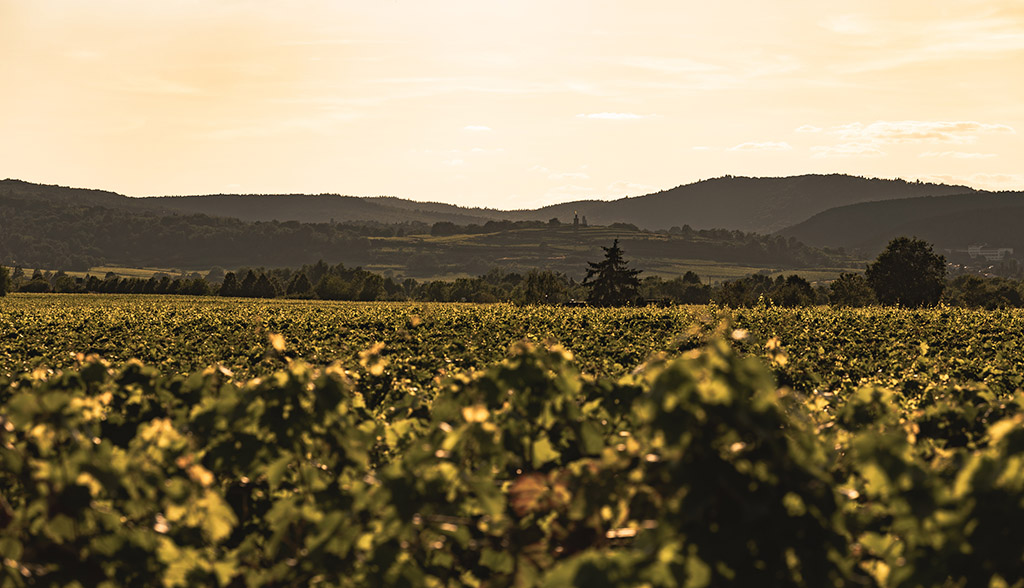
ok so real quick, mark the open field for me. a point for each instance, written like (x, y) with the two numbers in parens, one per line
(459, 444)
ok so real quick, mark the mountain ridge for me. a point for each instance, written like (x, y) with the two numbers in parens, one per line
(749, 204)
(949, 222)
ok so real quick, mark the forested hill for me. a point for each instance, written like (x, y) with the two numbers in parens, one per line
(316, 208)
(44, 193)
(85, 229)
(760, 205)
(949, 222)
(254, 207)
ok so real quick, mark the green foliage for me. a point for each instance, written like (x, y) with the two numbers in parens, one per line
(851, 290)
(542, 287)
(976, 292)
(757, 289)
(668, 447)
(908, 273)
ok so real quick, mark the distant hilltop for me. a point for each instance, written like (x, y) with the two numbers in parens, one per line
(761, 205)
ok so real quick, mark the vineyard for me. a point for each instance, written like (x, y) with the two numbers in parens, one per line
(188, 442)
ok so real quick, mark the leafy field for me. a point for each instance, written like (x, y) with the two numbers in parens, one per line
(297, 443)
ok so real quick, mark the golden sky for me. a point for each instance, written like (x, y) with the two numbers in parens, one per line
(505, 103)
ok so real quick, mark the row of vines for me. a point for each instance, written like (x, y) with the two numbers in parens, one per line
(697, 447)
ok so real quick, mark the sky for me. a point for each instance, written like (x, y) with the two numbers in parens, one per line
(506, 103)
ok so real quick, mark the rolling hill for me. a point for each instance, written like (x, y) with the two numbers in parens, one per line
(760, 205)
(60, 228)
(317, 208)
(949, 222)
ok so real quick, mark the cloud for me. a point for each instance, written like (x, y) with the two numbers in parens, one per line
(847, 24)
(957, 154)
(455, 162)
(569, 176)
(553, 175)
(765, 146)
(156, 85)
(998, 181)
(85, 55)
(808, 129)
(254, 129)
(328, 42)
(477, 128)
(669, 64)
(847, 150)
(623, 187)
(985, 181)
(569, 190)
(615, 116)
(915, 131)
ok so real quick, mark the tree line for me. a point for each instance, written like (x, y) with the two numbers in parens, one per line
(907, 273)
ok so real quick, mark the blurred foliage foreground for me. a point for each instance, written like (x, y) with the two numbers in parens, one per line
(694, 470)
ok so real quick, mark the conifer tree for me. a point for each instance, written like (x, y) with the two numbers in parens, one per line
(248, 287)
(230, 285)
(299, 284)
(263, 288)
(611, 282)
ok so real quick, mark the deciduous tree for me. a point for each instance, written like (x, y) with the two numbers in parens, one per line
(908, 273)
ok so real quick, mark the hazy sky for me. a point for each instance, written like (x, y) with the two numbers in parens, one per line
(505, 103)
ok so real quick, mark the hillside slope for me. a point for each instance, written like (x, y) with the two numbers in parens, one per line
(760, 205)
(317, 208)
(949, 222)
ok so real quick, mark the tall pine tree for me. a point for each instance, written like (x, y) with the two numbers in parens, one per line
(611, 282)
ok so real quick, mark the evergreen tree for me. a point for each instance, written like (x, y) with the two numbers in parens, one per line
(248, 287)
(331, 287)
(299, 285)
(3, 281)
(263, 287)
(611, 282)
(230, 285)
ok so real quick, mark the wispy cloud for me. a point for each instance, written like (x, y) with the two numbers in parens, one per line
(985, 181)
(847, 24)
(477, 128)
(914, 131)
(957, 154)
(85, 55)
(763, 146)
(615, 116)
(569, 176)
(937, 38)
(556, 175)
(630, 188)
(323, 125)
(670, 64)
(155, 85)
(847, 150)
(329, 42)
(808, 129)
